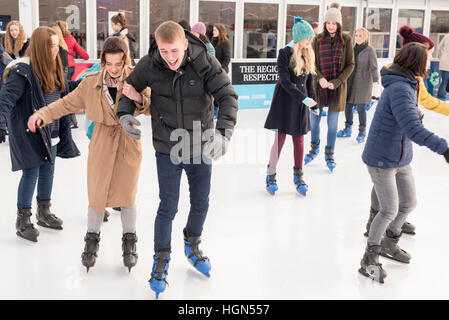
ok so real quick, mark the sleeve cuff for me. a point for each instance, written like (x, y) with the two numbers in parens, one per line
(307, 101)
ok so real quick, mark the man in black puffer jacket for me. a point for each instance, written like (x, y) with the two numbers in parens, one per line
(183, 78)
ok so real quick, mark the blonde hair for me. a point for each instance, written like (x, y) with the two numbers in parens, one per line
(58, 31)
(169, 31)
(302, 65)
(21, 38)
(365, 34)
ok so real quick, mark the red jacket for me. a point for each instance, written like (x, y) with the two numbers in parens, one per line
(73, 46)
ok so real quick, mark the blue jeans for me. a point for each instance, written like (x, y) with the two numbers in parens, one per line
(28, 183)
(442, 93)
(332, 123)
(361, 109)
(169, 177)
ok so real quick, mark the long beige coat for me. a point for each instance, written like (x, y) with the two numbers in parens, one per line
(443, 53)
(113, 164)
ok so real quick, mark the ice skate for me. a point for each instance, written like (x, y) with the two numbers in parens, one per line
(129, 250)
(391, 250)
(346, 132)
(370, 266)
(329, 157)
(272, 186)
(194, 255)
(301, 186)
(25, 229)
(45, 218)
(362, 135)
(312, 153)
(91, 247)
(158, 281)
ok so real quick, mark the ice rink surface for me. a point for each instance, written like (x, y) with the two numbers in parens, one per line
(260, 246)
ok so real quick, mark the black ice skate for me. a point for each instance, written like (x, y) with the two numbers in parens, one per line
(25, 229)
(129, 250)
(91, 247)
(370, 266)
(391, 250)
(45, 218)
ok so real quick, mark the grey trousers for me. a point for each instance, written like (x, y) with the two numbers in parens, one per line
(396, 193)
(127, 214)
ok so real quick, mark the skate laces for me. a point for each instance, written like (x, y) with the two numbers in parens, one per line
(195, 251)
(159, 269)
(128, 245)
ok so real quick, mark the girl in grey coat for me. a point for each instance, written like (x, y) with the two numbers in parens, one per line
(360, 84)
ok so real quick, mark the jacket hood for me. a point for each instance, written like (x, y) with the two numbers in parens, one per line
(394, 73)
(14, 65)
(195, 48)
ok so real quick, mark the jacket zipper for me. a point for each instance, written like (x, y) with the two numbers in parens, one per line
(402, 140)
(178, 101)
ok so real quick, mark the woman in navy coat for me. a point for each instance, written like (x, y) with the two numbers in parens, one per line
(388, 154)
(32, 82)
(293, 95)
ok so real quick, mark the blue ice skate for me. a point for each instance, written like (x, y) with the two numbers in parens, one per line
(312, 153)
(158, 281)
(346, 132)
(194, 255)
(301, 186)
(272, 187)
(329, 157)
(361, 137)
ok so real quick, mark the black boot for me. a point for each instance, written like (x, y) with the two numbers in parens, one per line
(91, 247)
(45, 218)
(25, 229)
(370, 266)
(129, 250)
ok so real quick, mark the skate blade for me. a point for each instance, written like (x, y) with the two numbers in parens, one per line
(372, 273)
(48, 226)
(23, 237)
(412, 233)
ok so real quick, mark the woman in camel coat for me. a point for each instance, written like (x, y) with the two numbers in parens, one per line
(113, 164)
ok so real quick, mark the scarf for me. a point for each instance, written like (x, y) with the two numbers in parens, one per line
(331, 60)
(357, 50)
(109, 82)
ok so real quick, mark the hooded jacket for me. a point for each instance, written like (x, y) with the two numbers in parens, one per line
(182, 99)
(396, 123)
(74, 47)
(20, 97)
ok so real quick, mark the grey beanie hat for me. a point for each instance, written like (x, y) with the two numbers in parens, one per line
(334, 13)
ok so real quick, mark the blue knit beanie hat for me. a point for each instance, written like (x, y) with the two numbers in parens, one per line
(302, 30)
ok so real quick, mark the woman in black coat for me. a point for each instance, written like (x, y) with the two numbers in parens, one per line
(31, 83)
(222, 46)
(293, 95)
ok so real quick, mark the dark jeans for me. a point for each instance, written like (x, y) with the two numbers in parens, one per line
(71, 72)
(361, 109)
(169, 177)
(442, 93)
(28, 183)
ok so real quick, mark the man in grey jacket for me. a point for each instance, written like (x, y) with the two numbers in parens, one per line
(183, 78)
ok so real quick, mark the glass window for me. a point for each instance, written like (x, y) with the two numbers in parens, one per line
(412, 18)
(308, 13)
(378, 23)
(73, 12)
(9, 11)
(349, 16)
(108, 8)
(212, 12)
(438, 28)
(260, 30)
(163, 10)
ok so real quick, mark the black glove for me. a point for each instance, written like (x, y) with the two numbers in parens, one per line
(446, 155)
(2, 135)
